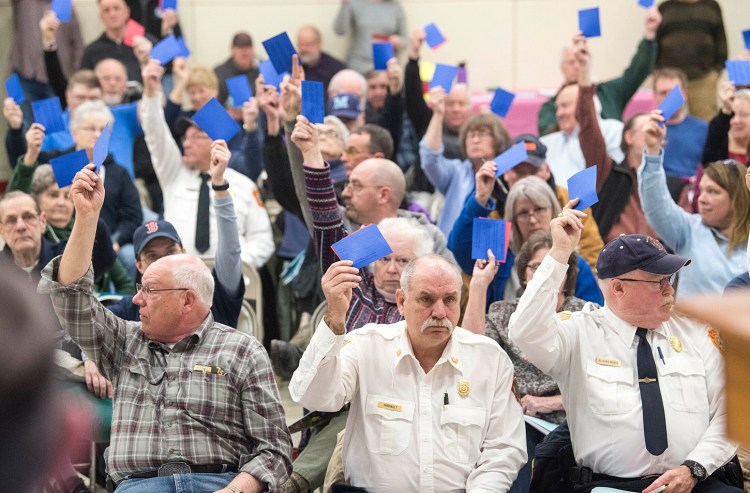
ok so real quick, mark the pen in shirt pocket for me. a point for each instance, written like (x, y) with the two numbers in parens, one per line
(661, 355)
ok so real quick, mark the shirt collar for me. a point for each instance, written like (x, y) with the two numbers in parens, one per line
(451, 353)
(626, 331)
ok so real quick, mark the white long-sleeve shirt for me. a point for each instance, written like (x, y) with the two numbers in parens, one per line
(400, 435)
(592, 354)
(180, 186)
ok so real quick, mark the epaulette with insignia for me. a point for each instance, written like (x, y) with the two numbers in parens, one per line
(565, 315)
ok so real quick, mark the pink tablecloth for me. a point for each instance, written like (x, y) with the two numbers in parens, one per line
(522, 117)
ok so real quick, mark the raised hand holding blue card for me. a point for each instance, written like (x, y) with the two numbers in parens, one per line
(169, 4)
(363, 247)
(501, 102)
(746, 37)
(63, 9)
(280, 51)
(14, 90)
(738, 71)
(588, 22)
(381, 53)
(443, 77)
(48, 112)
(101, 148)
(166, 50)
(490, 234)
(646, 3)
(184, 50)
(672, 103)
(270, 76)
(511, 158)
(313, 106)
(213, 119)
(65, 167)
(239, 89)
(582, 186)
(432, 36)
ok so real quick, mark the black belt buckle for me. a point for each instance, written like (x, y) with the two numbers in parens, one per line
(172, 468)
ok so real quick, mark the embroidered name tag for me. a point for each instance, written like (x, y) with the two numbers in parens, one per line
(209, 370)
(607, 361)
(389, 406)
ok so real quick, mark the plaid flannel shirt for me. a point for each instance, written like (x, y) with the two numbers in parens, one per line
(210, 399)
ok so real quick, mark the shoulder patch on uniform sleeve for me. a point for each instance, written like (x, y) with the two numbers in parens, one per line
(716, 339)
(564, 315)
(346, 341)
(256, 195)
(514, 389)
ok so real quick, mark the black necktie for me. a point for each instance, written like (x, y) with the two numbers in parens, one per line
(654, 423)
(202, 241)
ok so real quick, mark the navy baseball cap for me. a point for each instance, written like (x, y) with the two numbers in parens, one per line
(630, 252)
(344, 105)
(151, 230)
(535, 150)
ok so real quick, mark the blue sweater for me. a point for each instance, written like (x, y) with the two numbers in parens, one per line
(459, 242)
(684, 146)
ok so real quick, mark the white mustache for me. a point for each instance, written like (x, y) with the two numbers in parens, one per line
(436, 322)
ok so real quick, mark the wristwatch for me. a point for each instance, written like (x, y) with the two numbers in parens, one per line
(697, 470)
(220, 188)
(234, 489)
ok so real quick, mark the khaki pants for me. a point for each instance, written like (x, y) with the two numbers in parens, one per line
(312, 463)
(702, 96)
(744, 455)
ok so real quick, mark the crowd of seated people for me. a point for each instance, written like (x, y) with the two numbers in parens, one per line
(425, 369)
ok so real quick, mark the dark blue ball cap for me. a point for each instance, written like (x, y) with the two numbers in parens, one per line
(153, 229)
(637, 252)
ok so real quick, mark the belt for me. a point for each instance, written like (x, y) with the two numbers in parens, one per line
(171, 468)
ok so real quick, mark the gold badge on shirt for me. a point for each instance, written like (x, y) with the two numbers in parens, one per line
(463, 388)
(675, 343)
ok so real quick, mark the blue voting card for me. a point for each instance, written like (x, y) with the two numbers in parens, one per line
(501, 102)
(270, 76)
(746, 37)
(738, 71)
(646, 3)
(184, 50)
(444, 76)
(511, 158)
(101, 148)
(433, 36)
(672, 103)
(213, 119)
(48, 112)
(14, 90)
(63, 9)
(490, 234)
(280, 51)
(363, 247)
(313, 105)
(65, 167)
(169, 4)
(582, 186)
(239, 89)
(381, 53)
(588, 22)
(166, 50)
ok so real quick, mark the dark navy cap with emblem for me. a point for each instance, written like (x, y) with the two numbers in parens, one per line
(344, 105)
(151, 230)
(536, 151)
(637, 252)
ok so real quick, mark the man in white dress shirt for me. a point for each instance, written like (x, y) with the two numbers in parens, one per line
(432, 405)
(643, 387)
(180, 180)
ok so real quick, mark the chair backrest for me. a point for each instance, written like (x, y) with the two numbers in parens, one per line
(109, 298)
(254, 293)
(247, 322)
(318, 315)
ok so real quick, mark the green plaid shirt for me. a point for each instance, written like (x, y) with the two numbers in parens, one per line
(211, 399)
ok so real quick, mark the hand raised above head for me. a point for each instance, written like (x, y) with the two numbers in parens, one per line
(655, 132)
(305, 135)
(566, 231)
(87, 192)
(220, 156)
(13, 113)
(485, 182)
(338, 282)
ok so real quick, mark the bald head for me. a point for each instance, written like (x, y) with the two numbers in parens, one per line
(348, 81)
(386, 173)
(309, 45)
(187, 271)
(430, 263)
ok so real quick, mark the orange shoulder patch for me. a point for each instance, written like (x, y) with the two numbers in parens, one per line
(716, 339)
(256, 194)
(514, 389)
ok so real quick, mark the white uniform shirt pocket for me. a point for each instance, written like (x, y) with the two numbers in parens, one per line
(389, 422)
(462, 432)
(610, 389)
(683, 384)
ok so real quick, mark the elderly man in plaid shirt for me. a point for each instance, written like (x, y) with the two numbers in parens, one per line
(196, 407)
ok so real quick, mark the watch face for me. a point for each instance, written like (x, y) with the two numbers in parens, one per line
(698, 471)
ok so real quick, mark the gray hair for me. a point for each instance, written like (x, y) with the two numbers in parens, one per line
(743, 94)
(196, 277)
(43, 178)
(411, 267)
(535, 190)
(340, 127)
(91, 109)
(409, 228)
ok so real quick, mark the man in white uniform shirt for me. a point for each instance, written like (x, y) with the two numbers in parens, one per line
(432, 405)
(643, 387)
(180, 180)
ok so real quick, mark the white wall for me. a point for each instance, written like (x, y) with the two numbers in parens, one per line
(510, 43)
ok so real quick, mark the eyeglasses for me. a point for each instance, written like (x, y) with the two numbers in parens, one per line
(27, 217)
(194, 138)
(149, 291)
(91, 128)
(525, 216)
(357, 186)
(478, 134)
(331, 134)
(729, 163)
(663, 282)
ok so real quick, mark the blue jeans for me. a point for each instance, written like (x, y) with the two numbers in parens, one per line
(179, 483)
(533, 438)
